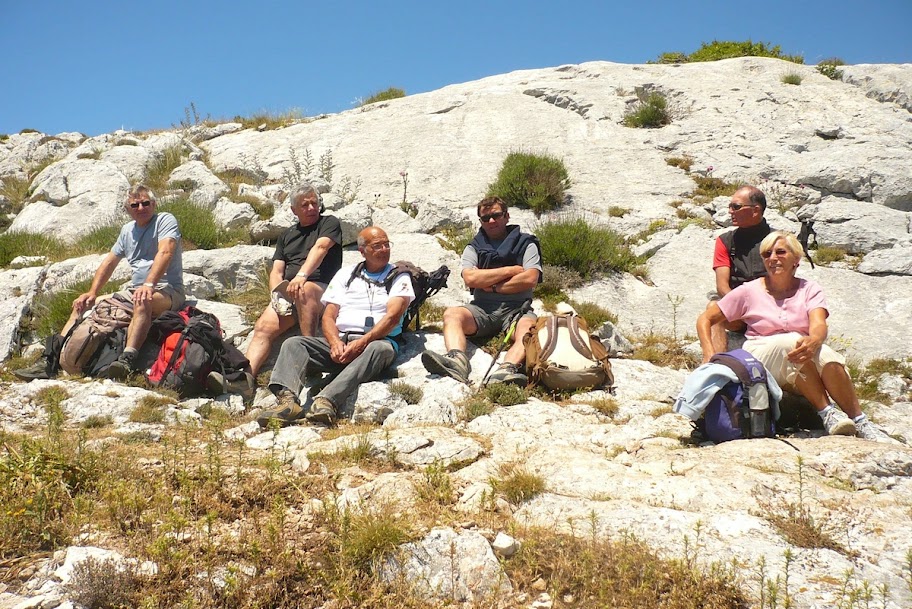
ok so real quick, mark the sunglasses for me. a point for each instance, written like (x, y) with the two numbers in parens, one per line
(778, 251)
(737, 206)
(136, 205)
(497, 215)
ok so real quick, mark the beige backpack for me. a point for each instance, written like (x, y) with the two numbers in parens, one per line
(561, 354)
(87, 337)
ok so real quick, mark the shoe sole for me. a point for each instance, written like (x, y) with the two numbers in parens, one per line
(323, 418)
(435, 367)
(843, 428)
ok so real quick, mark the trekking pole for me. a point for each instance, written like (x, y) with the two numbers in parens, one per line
(503, 343)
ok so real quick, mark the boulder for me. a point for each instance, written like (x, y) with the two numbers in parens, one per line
(229, 214)
(894, 261)
(233, 268)
(856, 226)
(17, 289)
(450, 566)
(195, 176)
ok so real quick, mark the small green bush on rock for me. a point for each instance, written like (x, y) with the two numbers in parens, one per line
(726, 49)
(198, 226)
(589, 250)
(830, 68)
(791, 78)
(533, 181)
(386, 95)
(650, 113)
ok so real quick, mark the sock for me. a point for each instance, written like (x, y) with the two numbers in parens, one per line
(860, 418)
(822, 413)
(130, 350)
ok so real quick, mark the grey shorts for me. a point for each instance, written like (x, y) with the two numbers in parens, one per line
(492, 319)
(176, 295)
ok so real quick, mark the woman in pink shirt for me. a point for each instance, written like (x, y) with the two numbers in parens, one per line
(786, 329)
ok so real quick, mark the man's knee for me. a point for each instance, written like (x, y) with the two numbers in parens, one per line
(268, 323)
(522, 328)
(459, 317)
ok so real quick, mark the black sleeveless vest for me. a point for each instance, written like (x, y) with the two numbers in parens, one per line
(743, 245)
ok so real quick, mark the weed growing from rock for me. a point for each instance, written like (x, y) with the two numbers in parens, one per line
(681, 162)
(607, 406)
(474, 406)
(150, 409)
(791, 78)
(616, 211)
(649, 113)
(825, 255)
(663, 350)
(159, 170)
(435, 486)
(505, 394)
(102, 584)
(830, 68)
(198, 226)
(516, 484)
(410, 393)
(531, 181)
(385, 95)
(708, 188)
(455, 239)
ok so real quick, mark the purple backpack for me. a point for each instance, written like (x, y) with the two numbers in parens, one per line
(740, 409)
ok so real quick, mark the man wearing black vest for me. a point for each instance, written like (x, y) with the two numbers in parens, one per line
(500, 267)
(736, 259)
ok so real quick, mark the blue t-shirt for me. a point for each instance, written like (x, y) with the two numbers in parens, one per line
(139, 245)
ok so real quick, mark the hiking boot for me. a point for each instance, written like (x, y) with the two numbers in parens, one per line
(837, 423)
(454, 364)
(867, 430)
(322, 411)
(120, 368)
(245, 386)
(38, 370)
(287, 410)
(508, 373)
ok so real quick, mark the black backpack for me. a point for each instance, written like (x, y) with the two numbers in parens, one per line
(424, 285)
(191, 347)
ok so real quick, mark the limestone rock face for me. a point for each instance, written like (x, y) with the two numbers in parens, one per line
(17, 289)
(206, 189)
(70, 198)
(234, 268)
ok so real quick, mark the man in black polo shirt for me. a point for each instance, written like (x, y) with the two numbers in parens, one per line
(307, 256)
(736, 259)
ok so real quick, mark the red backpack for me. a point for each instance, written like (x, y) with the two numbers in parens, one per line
(192, 343)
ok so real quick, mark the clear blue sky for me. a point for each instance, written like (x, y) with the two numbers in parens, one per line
(95, 66)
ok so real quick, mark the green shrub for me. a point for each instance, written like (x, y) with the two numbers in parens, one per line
(830, 68)
(726, 49)
(791, 78)
(826, 254)
(272, 120)
(505, 394)
(27, 244)
(594, 314)
(24, 131)
(386, 95)
(475, 405)
(708, 188)
(650, 113)
(615, 211)
(533, 181)
(575, 244)
(555, 281)
(198, 226)
(150, 409)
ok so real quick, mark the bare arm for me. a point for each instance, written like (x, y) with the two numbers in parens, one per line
(527, 280)
(723, 276)
(166, 249)
(807, 347)
(104, 272)
(485, 278)
(712, 315)
(276, 274)
(331, 332)
(395, 308)
(314, 259)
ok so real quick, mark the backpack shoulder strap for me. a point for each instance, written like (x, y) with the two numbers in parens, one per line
(748, 369)
(553, 324)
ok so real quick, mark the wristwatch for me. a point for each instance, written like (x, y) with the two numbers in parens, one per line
(304, 275)
(148, 285)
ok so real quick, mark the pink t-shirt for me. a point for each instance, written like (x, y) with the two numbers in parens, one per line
(765, 316)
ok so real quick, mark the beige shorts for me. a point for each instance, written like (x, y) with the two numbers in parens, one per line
(176, 295)
(773, 352)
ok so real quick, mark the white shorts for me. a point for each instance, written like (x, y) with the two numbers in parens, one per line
(773, 352)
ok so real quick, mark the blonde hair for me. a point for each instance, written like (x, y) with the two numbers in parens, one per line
(791, 242)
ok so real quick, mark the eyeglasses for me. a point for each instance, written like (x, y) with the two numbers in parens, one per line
(379, 247)
(737, 206)
(778, 251)
(145, 203)
(497, 215)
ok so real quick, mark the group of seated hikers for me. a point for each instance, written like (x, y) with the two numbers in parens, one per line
(359, 309)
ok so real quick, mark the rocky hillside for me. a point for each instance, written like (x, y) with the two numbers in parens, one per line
(835, 152)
